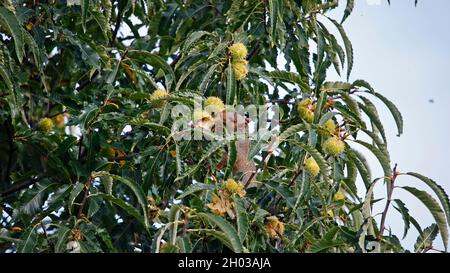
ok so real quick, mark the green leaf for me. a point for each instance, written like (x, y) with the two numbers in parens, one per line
(73, 194)
(273, 11)
(29, 241)
(88, 54)
(221, 236)
(363, 83)
(438, 190)
(29, 40)
(129, 209)
(231, 159)
(405, 215)
(57, 200)
(434, 208)
(207, 78)
(112, 75)
(135, 189)
(362, 165)
(241, 218)
(62, 234)
(287, 76)
(414, 222)
(369, 108)
(106, 239)
(102, 22)
(367, 215)
(335, 86)
(291, 131)
(87, 116)
(34, 198)
(326, 242)
(351, 103)
(197, 66)
(6, 79)
(10, 22)
(380, 155)
(155, 61)
(318, 157)
(231, 85)
(425, 240)
(348, 9)
(394, 111)
(193, 188)
(214, 147)
(283, 191)
(192, 38)
(227, 229)
(174, 214)
(348, 46)
(84, 11)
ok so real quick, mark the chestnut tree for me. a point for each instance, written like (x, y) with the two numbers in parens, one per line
(91, 96)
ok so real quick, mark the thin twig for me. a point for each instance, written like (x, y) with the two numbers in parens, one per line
(388, 203)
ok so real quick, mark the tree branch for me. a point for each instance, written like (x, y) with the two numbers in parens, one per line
(15, 188)
(388, 203)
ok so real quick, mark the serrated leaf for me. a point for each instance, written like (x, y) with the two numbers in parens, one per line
(214, 147)
(318, 157)
(326, 242)
(29, 40)
(129, 209)
(273, 11)
(6, 79)
(380, 155)
(401, 207)
(174, 214)
(394, 111)
(366, 211)
(231, 158)
(288, 76)
(62, 235)
(433, 206)
(84, 11)
(283, 191)
(371, 111)
(194, 37)
(231, 85)
(438, 190)
(207, 78)
(102, 22)
(11, 23)
(425, 240)
(291, 131)
(241, 218)
(348, 46)
(29, 241)
(142, 200)
(348, 10)
(156, 62)
(335, 86)
(73, 194)
(221, 236)
(35, 198)
(193, 188)
(363, 83)
(227, 229)
(188, 72)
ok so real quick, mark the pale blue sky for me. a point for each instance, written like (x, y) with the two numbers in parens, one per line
(403, 52)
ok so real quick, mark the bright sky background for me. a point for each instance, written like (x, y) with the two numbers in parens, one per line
(403, 52)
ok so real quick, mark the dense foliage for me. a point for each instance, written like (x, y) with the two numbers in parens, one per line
(89, 160)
